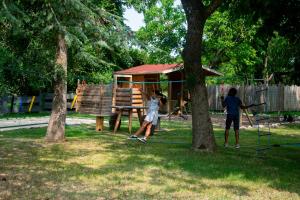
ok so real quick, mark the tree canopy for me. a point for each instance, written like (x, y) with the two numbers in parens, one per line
(237, 40)
(95, 33)
(164, 31)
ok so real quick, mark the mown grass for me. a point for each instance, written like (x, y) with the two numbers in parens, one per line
(23, 115)
(42, 114)
(102, 165)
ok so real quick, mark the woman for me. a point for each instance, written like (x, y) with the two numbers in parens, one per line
(152, 115)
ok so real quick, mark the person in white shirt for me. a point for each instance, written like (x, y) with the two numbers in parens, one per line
(152, 115)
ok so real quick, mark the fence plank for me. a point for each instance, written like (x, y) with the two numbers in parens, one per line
(278, 97)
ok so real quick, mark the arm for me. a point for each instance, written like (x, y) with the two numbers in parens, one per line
(163, 100)
(145, 94)
(251, 105)
(245, 107)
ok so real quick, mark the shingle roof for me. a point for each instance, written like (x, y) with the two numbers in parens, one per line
(161, 69)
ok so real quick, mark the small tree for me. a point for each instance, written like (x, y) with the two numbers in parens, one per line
(62, 24)
(56, 126)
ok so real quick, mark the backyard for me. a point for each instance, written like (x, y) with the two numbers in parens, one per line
(102, 165)
(70, 70)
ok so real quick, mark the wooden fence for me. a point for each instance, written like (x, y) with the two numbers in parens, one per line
(21, 104)
(94, 99)
(276, 97)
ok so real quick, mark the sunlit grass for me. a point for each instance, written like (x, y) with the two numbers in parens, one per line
(103, 165)
(70, 114)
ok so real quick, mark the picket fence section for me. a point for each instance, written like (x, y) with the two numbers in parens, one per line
(276, 97)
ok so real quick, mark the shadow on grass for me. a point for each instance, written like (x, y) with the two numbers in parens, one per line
(30, 164)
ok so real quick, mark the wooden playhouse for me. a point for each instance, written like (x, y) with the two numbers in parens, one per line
(148, 77)
(124, 96)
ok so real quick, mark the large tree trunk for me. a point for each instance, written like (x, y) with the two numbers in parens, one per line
(196, 14)
(203, 137)
(56, 126)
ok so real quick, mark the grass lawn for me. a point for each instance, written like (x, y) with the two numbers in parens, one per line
(94, 165)
(71, 114)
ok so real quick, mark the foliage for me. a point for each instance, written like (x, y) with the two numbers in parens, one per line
(164, 31)
(236, 38)
(5, 59)
(96, 38)
(227, 47)
(141, 6)
(281, 59)
(277, 16)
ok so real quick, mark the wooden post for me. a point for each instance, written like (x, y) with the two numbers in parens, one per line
(241, 96)
(130, 121)
(144, 101)
(114, 93)
(181, 95)
(170, 99)
(139, 116)
(130, 81)
(118, 120)
(131, 104)
(99, 123)
(247, 115)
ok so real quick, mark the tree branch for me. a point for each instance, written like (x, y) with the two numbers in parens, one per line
(212, 7)
(56, 20)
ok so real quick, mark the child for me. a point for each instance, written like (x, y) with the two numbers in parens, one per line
(151, 117)
(233, 105)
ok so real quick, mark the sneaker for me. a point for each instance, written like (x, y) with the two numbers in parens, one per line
(237, 146)
(226, 145)
(132, 137)
(143, 140)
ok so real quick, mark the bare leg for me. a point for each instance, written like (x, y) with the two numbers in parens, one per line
(148, 130)
(226, 135)
(142, 128)
(236, 137)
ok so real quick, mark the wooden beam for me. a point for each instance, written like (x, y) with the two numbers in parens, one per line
(118, 120)
(99, 123)
(170, 99)
(181, 95)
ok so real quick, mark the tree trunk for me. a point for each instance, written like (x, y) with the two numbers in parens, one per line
(203, 137)
(56, 126)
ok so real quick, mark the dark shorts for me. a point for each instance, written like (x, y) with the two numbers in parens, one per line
(235, 119)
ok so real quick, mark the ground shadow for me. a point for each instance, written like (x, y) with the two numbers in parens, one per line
(30, 163)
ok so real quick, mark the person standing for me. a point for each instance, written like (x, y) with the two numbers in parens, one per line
(233, 105)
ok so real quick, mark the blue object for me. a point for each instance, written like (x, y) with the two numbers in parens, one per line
(233, 104)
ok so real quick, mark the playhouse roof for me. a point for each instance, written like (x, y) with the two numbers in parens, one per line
(161, 69)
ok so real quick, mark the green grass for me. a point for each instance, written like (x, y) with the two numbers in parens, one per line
(102, 165)
(23, 115)
(42, 114)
